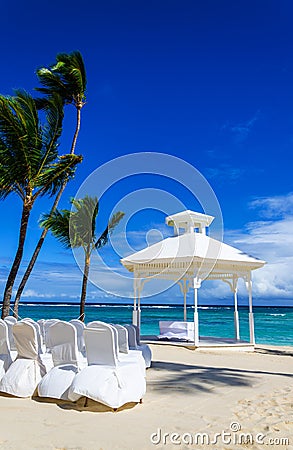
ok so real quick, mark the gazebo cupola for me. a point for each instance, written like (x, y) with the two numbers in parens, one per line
(189, 222)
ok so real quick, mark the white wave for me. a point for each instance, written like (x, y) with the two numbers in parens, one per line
(159, 306)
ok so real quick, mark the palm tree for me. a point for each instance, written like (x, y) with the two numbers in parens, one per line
(77, 228)
(30, 166)
(67, 78)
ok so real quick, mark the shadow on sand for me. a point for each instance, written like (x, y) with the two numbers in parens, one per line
(272, 351)
(189, 378)
(83, 404)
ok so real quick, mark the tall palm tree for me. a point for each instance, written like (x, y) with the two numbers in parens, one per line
(67, 78)
(30, 166)
(77, 228)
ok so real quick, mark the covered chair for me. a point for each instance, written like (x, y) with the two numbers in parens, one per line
(80, 326)
(46, 325)
(10, 321)
(24, 374)
(5, 354)
(63, 344)
(133, 345)
(38, 331)
(41, 324)
(105, 379)
(46, 358)
(125, 353)
(121, 344)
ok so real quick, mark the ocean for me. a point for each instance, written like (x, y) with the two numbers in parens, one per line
(273, 325)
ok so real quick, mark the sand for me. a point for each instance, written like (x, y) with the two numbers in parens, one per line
(188, 392)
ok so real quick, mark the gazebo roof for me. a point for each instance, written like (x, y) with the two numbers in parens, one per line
(189, 248)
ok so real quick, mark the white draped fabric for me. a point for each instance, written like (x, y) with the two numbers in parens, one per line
(24, 374)
(170, 329)
(10, 321)
(79, 326)
(63, 343)
(125, 354)
(107, 380)
(5, 354)
(133, 345)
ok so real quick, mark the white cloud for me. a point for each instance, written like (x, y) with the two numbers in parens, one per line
(272, 241)
(32, 293)
(241, 130)
(274, 207)
(223, 172)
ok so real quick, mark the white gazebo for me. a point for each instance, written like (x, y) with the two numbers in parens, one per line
(188, 258)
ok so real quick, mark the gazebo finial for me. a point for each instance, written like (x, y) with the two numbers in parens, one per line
(189, 221)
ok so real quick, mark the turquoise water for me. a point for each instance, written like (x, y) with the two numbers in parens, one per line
(273, 325)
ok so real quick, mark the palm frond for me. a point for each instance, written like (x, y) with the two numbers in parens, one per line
(76, 228)
(67, 77)
(21, 141)
(54, 175)
(51, 132)
(84, 218)
(52, 83)
(113, 222)
(58, 224)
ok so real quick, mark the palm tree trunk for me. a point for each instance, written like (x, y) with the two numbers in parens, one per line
(17, 260)
(78, 116)
(84, 283)
(45, 231)
(35, 255)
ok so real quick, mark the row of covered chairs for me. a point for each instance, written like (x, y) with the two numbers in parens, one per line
(67, 360)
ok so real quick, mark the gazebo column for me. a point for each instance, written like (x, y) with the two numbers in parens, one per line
(196, 286)
(251, 318)
(136, 306)
(236, 314)
(185, 307)
(184, 287)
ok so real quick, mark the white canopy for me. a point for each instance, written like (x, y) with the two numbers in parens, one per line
(189, 258)
(191, 248)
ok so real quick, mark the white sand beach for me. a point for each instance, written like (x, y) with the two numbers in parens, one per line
(188, 392)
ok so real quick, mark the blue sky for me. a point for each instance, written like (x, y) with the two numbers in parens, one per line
(209, 82)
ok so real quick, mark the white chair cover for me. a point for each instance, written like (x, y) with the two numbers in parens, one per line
(24, 374)
(106, 380)
(100, 325)
(143, 348)
(122, 338)
(38, 331)
(41, 323)
(80, 326)
(47, 323)
(131, 336)
(5, 354)
(63, 344)
(125, 353)
(130, 356)
(63, 339)
(10, 321)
